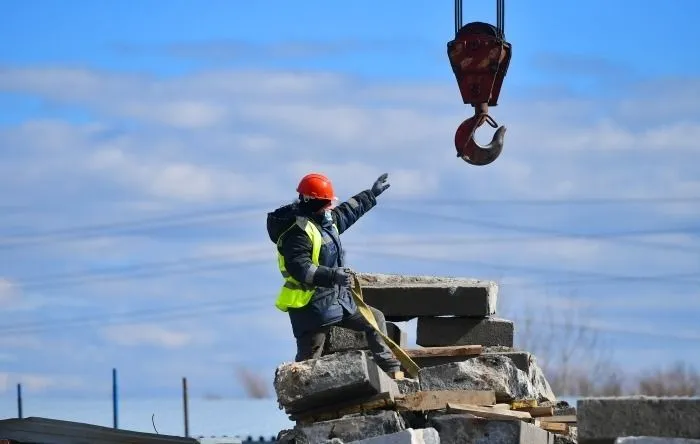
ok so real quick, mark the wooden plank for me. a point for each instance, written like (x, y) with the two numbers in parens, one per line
(486, 412)
(560, 418)
(538, 411)
(438, 399)
(555, 427)
(454, 350)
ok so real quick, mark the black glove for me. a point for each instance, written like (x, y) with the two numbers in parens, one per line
(380, 185)
(342, 277)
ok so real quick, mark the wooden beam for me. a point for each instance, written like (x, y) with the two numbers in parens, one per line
(455, 350)
(555, 427)
(438, 399)
(560, 418)
(538, 411)
(486, 412)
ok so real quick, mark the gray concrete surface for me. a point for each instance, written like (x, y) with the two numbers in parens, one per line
(604, 419)
(460, 428)
(408, 436)
(343, 339)
(402, 297)
(408, 385)
(460, 330)
(330, 379)
(353, 427)
(654, 440)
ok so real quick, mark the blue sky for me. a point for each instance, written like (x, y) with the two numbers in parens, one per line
(142, 146)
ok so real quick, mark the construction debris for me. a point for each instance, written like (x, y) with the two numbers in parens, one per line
(464, 391)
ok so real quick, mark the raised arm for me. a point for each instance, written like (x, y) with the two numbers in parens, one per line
(350, 211)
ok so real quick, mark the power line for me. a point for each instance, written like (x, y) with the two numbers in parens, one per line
(135, 316)
(554, 232)
(82, 231)
(539, 270)
(195, 264)
(204, 215)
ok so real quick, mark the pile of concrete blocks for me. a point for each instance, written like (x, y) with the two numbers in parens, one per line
(639, 420)
(472, 385)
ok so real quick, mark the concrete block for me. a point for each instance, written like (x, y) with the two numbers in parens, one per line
(486, 372)
(353, 427)
(520, 359)
(408, 436)
(603, 420)
(461, 428)
(459, 330)
(330, 379)
(654, 440)
(342, 339)
(408, 385)
(402, 297)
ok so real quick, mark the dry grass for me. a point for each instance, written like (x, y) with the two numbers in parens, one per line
(578, 362)
(255, 385)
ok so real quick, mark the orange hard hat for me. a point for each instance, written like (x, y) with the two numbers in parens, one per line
(316, 186)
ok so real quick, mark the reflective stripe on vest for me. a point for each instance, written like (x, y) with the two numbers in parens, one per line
(295, 294)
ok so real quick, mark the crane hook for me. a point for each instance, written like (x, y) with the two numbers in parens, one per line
(479, 56)
(467, 148)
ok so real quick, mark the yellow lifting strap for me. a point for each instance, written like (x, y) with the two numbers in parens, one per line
(408, 364)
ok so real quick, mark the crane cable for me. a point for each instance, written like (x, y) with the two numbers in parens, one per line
(500, 16)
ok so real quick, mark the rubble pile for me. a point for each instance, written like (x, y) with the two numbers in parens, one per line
(472, 386)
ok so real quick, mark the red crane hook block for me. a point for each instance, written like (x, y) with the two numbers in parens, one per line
(479, 56)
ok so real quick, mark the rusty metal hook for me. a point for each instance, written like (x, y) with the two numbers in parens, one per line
(467, 148)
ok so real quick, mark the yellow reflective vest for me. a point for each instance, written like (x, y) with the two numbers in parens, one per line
(295, 294)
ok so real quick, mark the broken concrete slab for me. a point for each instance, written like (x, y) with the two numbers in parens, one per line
(522, 360)
(402, 297)
(409, 436)
(458, 428)
(604, 419)
(485, 372)
(330, 379)
(461, 330)
(342, 339)
(349, 428)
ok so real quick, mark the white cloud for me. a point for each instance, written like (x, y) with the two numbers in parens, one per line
(227, 138)
(33, 382)
(136, 335)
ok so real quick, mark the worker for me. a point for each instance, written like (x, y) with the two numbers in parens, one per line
(316, 292)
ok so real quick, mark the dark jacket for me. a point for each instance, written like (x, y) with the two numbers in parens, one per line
(329, 300)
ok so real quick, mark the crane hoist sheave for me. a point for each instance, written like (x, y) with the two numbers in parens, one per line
(479, 56)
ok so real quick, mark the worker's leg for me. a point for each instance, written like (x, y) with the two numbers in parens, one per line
(381, 352)
(310, 344)
(379, 317)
